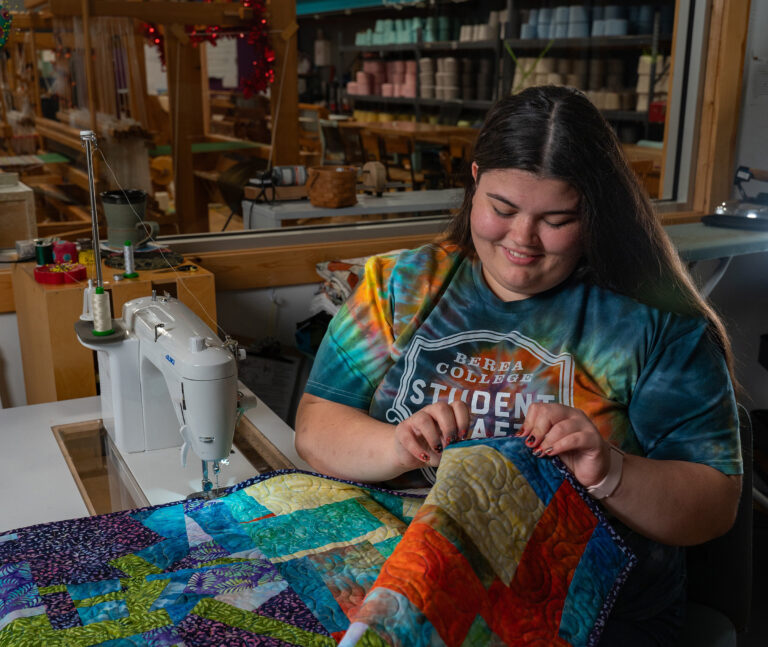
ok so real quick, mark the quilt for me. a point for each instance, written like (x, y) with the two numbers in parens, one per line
(505, 549)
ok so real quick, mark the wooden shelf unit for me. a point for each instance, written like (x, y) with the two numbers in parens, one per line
(56, 365)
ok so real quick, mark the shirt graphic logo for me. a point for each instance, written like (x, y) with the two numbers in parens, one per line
(498, 375)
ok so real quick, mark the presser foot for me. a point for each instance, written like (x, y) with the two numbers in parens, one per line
(209, 491)
(213, 493)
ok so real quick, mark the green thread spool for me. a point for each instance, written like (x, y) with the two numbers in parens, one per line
(43, 251)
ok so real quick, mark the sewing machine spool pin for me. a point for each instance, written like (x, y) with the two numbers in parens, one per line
(100, 306)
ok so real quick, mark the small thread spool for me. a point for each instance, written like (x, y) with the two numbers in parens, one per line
(102, 315)
(43, 251)
(130, 271)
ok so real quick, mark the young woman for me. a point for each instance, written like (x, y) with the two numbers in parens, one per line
(558, 311)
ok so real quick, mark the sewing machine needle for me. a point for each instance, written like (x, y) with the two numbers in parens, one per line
(207, 485)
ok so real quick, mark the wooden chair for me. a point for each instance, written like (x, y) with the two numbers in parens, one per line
(647, 174)
(396, 153)
(333, 149)
(353, 146)
(369, 145)
(457, 159)
(309, 131)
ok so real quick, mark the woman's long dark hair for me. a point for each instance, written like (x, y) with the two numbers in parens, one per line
(556, 132)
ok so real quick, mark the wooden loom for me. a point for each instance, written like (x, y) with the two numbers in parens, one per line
(186, 69)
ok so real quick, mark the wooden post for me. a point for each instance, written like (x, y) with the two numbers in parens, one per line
(137, 75)
(285, 89)
(721, 103)
(185, 94)
(31, 51)
(205, 83)
(87, 55)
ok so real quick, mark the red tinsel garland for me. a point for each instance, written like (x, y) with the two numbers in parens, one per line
(262, 72)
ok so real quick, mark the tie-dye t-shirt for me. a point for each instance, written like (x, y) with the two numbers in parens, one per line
(423, 326)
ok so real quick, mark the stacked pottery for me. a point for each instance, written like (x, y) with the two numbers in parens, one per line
(390, 79)
(596, 74)
(398, 31)
(427, 78)
(364, 82)
(377, 71)
(578, 21)
(645, 64)
(545, 67)
(479, 32)
(607, 87)
(384, 32)
(641, 19)
(598, 22)
(529, 27)
(444, 28)
(408, 88)
(429, 31)
(396, 76)
(403, 31)
(546, 26)
(552, 71)
(558, 27)
(579, 74)
(616, 20)
(447, 77)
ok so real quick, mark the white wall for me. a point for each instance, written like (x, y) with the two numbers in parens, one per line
(256, 314)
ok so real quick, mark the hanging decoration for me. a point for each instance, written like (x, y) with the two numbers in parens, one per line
(257, 35)
(5, 24)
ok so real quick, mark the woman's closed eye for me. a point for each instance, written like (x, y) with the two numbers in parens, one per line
(556, 223)
(505, 212)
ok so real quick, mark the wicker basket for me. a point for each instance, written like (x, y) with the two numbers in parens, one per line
(332, 186)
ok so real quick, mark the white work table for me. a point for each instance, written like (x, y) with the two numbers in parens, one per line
(697, 242)
(35, 481)
(37, 485)
(263, 215)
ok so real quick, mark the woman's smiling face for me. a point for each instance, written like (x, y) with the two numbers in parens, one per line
(526, 230)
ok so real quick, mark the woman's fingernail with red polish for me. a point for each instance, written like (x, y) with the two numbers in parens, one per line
(531, 440)
(424, 457)
(438, 448)
(538, 452)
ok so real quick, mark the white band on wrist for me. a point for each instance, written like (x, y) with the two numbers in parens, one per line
(608, 485)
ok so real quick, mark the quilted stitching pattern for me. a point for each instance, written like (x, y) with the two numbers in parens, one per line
(506, 550)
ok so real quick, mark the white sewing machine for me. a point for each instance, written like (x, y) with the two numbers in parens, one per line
(167, 381)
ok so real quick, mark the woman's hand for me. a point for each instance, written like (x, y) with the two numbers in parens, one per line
(557, 430)
(421, 438)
